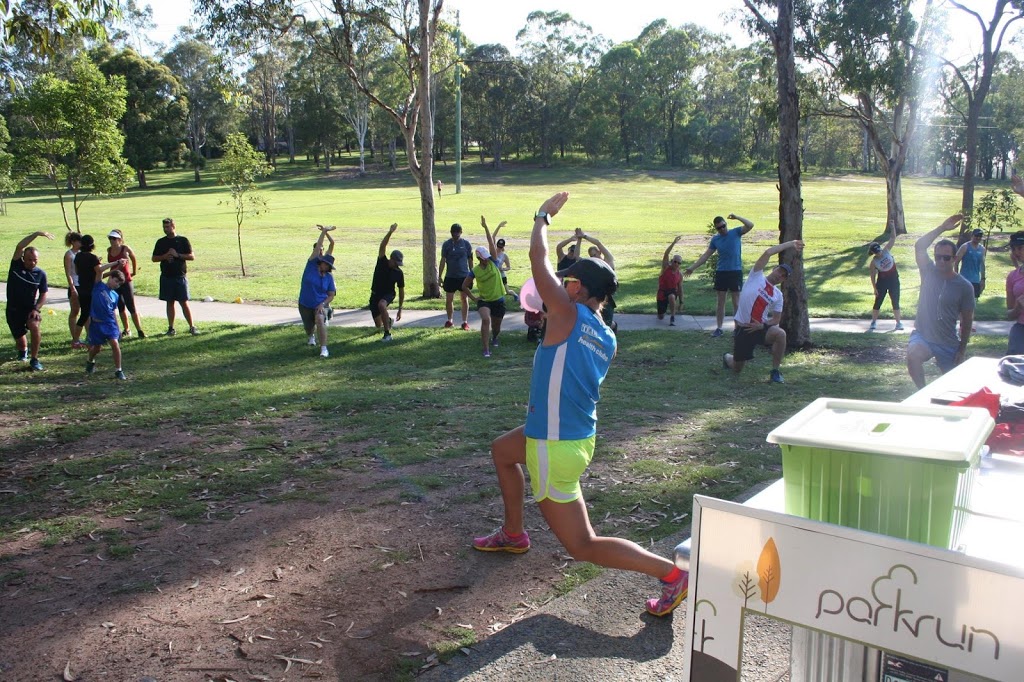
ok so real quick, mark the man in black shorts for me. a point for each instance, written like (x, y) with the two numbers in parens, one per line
(455, 254)
(759, 313)
(173, 252)
(386, 276)
(729, 271)
(26, 295)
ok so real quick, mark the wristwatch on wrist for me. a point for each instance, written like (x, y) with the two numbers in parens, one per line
(545, 216)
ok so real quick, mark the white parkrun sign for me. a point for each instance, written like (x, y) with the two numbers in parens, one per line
(932, 605)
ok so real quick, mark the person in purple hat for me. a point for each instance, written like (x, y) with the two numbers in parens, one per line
(759, 313)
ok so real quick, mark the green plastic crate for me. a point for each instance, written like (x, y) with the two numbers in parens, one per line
(899, 470)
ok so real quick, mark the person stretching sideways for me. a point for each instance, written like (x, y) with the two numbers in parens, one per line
(557, 441)
(670, 285)
(759, 313)
(490, 304)
(729, 273)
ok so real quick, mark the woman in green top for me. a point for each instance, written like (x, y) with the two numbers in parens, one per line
(490, 303)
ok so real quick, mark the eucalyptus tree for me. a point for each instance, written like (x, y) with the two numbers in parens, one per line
(210, 87)
(975, 79)
(45, 27)
(780, 30)
(674, 55)
(412, 28)
(561, 57)
(628, 103)
(66, 130)
(9, 182)
(315, 87)
(493, 98)
(155, 109)
(876, 58)
(265, 87)
(1007, 101)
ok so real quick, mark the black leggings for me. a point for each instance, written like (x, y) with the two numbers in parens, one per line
(890, 285)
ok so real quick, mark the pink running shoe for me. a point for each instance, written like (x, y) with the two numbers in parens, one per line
(672, 594)
(499, 541)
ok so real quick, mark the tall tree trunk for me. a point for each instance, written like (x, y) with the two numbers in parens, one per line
(791, 206)
(894, 199)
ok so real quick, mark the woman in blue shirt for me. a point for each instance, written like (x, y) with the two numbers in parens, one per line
(557, 441)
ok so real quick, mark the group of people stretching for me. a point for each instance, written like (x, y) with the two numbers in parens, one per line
(97, 292)
(556, 443)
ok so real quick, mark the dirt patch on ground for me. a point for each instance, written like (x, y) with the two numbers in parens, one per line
(357, 585)
(880, 355)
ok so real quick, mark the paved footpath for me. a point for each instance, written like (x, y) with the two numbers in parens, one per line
(248, 313)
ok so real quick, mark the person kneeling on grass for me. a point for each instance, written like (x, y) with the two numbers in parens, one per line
(759, 313)
(557, 441)
(103, 318)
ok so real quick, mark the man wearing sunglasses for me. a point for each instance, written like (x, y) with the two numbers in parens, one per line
(946, 298)
(729, 272)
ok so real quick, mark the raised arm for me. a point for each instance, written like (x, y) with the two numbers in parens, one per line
(796, 244)
(668, 252)
(502, 224)
(892, 238)
(382, 252)
(605, 253)
(318, 247)
(923, 243)
(560, 246)
(747, 225)
(490, 238)
(23, 244)
(100, 269)
(550, 289)
(960, 253)
(700, 261)
(330, 243)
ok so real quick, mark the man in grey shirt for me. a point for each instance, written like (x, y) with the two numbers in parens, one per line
(946, 298)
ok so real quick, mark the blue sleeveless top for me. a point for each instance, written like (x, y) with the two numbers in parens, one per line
(970, 264)
(566, 381)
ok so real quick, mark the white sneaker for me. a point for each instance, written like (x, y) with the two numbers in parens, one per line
(323, 352)
(312, 340)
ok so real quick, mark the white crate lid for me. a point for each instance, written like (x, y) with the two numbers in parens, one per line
(937, 432)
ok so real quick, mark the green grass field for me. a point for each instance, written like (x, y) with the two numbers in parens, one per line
(635, 213)
(670, 418)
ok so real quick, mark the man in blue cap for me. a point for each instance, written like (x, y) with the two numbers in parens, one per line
(970, 261)
(759, 313)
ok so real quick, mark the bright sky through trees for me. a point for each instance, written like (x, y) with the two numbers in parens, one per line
(498, 22)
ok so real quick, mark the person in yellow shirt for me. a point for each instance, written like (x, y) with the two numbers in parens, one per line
(490, 299)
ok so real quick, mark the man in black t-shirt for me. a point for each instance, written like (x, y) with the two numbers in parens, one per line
(173, 252)
(386, 276)
(26, 295)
